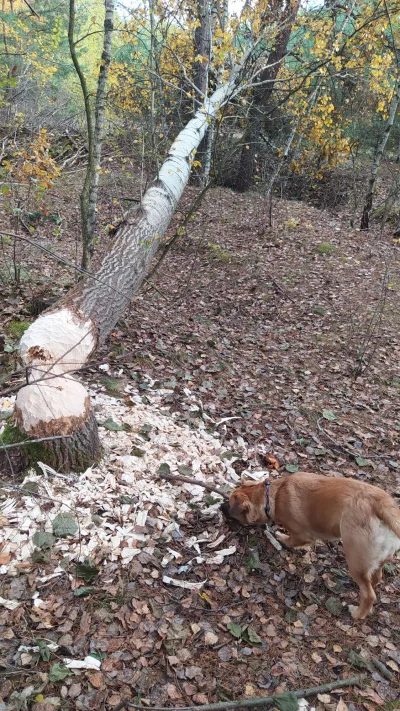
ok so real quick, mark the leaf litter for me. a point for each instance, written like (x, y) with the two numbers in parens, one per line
(234, 380)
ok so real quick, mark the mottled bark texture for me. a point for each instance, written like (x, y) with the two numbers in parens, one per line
(63, 338)
(76, 452)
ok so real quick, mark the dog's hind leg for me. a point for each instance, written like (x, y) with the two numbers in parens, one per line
(355, 549)
(376, 576)
(367, 595)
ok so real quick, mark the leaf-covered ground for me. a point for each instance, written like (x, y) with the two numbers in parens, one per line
(267, 325)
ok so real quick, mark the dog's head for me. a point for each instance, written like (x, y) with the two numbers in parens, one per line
(247, 504)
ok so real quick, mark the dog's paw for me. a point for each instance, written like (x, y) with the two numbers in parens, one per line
(355, 612)
(282, 537)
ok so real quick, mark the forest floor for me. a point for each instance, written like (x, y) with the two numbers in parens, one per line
(292, 330)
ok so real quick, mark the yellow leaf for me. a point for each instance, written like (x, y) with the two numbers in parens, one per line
(249, 690)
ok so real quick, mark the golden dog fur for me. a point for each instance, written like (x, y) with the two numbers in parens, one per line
(311, 507)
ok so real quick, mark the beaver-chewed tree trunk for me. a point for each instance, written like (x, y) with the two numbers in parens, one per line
(63, 338)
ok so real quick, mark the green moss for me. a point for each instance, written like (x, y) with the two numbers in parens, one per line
(32, 452)
(326, 248)
(219, 254)
(16, 329)
(54, 453)
(11, 434)
(113, 386)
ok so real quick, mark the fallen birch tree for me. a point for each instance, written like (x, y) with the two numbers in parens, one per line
(64, 337)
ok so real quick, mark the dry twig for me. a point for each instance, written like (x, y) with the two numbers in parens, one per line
(196, 482)
(257, 701)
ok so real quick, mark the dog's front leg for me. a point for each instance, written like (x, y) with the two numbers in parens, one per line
(293, 540)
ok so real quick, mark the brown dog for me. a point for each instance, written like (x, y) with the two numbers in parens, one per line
(311, 507)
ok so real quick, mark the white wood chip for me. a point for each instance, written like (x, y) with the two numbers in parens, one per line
(87, 663)
(155, 506)
(183, 583)
(218, 559)
(9, 604)
(272, 539)
(216, 543)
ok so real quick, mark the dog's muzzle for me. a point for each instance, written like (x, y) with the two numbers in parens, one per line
(225, 509)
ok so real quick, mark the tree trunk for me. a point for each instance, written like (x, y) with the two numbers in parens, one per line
(285, 154)
(206, 156)
(202, 48)
(262, 103)
(88, 198)
(379, 151)
(63, 338)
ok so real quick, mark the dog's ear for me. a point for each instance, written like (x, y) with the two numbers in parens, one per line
(251, 512)
(242, 506)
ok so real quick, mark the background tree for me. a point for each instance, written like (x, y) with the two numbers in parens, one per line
(95, 124)
(281, 16)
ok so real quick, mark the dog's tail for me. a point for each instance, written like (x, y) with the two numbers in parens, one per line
(389, 514)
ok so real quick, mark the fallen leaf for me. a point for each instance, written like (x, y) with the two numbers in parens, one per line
(58, 672)
(252, 636)
(193, 672)
(225, 654)
(84, 591)
(371, 694)
(363, 462)
(74, 690)
(43, 539)
(87, 572)
(96, 680)
(272, 461)
(173, 692)
(9, 604)
(324, 698)
(64, 525)
(309, 578)
(334, 606)
(200, 699)
(109, 424)
(252, 562)
(249, 690)
(172, 660)
(210, 638)
(235, 630)
(286, 701)
(341, 706)
(328, 415)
